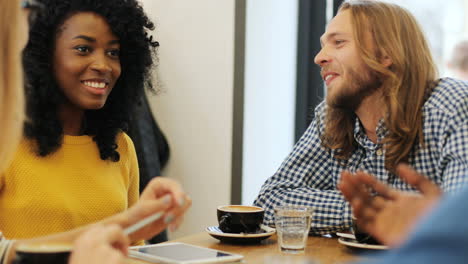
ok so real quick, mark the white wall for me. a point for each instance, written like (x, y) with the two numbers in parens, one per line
(195, 109)
(270, 85)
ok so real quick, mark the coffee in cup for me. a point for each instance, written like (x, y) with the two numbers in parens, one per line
(42, 253)
(240, 218)
(361, 235)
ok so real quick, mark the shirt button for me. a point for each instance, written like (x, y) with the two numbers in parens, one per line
(379, 152)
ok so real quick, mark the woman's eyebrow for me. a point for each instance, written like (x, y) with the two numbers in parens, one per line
(91, 39)
(87, 38)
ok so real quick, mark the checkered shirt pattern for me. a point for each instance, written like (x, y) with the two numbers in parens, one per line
(310, 174)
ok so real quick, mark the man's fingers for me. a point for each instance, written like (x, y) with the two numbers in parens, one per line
(378, 203)
(382, 189)
(368, 214)
(357, 194)
(358, 206)
(346, 185)
(418, 181)
(361, 188)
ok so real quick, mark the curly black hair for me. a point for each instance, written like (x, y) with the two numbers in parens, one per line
(130, 24)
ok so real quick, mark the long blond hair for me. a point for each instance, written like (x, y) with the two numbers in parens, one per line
(406, 84)
(11, 80)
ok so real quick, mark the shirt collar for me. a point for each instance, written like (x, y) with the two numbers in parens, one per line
(361, 137)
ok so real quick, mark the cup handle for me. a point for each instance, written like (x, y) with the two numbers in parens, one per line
(225, 222)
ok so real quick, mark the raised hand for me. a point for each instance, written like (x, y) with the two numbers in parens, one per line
(390, 215)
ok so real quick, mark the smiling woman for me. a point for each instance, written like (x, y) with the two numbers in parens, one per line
(123, 23)
(87, 65)
(87, 62)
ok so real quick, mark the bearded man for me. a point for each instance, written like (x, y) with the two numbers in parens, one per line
(384, 105)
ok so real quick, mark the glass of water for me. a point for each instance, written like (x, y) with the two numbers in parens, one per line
(292, 227)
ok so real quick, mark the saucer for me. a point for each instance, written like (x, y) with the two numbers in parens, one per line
(354, 244)
(215, 232)
(346, 235)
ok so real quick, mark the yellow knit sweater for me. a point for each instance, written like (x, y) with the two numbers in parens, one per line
(67, 189)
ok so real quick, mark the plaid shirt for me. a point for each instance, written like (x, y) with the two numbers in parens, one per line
(310, 174)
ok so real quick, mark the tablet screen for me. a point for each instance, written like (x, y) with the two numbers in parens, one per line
(182, 252)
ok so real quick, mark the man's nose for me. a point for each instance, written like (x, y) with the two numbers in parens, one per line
(322, 57)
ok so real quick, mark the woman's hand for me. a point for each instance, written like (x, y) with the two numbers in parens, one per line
(160, 195)
(100, 245)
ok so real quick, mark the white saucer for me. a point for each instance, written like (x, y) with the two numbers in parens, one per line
(346, 235)
(354, 244)
(215, 232)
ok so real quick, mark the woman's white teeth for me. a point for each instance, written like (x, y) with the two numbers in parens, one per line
(95, 84)
(328, 77)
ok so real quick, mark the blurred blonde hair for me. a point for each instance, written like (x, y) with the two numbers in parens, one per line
(11, 80)
(406, 84)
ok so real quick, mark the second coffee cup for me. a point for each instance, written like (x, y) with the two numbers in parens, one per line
(361, 235)
(42, 254)
(240, 218)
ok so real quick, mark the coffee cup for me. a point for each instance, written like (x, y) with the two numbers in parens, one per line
(361, 235)
(240, 218)
(42, 253)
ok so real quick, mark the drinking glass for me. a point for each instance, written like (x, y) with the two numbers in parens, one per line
(292, 227)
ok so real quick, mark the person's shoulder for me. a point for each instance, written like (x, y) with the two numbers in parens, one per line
(124, 142)
(449, 96)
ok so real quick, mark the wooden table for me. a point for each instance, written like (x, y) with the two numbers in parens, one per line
(325, 250)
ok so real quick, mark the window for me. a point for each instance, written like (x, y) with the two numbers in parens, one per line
(444, 24)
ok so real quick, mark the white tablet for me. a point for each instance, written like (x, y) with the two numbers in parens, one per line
(180, 253)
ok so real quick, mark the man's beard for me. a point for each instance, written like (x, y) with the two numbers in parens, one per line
(351, 94)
